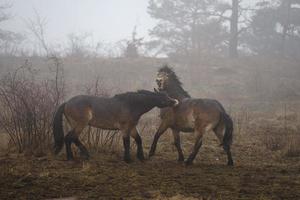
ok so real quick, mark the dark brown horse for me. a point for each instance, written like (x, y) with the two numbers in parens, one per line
(191, 115)
(121, 112)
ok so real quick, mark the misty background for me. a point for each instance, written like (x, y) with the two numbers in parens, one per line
(243, 53)
(106, 20)
(100, 21)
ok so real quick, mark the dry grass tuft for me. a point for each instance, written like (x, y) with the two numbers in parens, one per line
(292, 148)
(274, 139)
(286, 140)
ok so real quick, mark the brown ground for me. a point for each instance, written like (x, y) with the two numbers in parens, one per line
(258, 174)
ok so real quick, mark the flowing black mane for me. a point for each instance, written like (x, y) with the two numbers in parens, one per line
(174, 82)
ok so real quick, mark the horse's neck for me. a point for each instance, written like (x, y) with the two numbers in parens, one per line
(177, 92)
(143, 107)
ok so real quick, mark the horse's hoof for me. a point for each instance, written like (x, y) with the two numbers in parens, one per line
(150, 155)
(128, 160)
(85, 156)
(70, 158)
(230, 163)
(141, 158)
(188, 163)
(140, 155)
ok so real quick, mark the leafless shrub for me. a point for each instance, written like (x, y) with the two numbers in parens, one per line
(287, 140)
(242, 120)
(274, 139)
(99, 140)
(293, 145)
(28, 103)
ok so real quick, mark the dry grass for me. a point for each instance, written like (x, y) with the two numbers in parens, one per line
(260, 171)
(258, 174)
(292, 148)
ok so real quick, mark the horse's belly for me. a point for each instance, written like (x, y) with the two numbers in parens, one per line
(186, 123)
(105, 124)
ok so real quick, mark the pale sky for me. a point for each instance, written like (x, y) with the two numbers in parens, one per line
(107, 20)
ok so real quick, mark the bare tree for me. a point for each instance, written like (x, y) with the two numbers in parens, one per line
(9, 41)
(133, 45)
(286, 8)
(37, 28)
(80, 46)
(275, 28)
(233, 41)
(236, 15)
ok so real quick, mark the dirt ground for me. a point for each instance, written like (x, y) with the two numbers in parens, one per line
(257, 174)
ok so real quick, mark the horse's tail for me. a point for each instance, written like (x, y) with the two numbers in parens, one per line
(58, 131)
(227, 138)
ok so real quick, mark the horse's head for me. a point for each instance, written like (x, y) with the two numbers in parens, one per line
(169, 82)
(164, 100)
(162, 80)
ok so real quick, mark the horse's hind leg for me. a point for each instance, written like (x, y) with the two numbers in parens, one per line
(78, 116)
(219, 131)
(176, 136)
(126, 144)
(229, 156)
(72, 137)
(69, 138)
(196, 148)
(199, 132)
(83, 150)
(138, 140)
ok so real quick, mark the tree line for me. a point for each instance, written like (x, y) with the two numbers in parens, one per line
(193, 29)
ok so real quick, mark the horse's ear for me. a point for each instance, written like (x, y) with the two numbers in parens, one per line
(155, 90)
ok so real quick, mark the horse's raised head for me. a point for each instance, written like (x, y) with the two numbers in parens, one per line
(163, 76)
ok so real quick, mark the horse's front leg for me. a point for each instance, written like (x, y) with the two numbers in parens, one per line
(140, 153)
(126, 144)
(162, 128)
(176, 135)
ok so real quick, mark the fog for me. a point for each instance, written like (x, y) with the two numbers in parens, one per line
(109, 21)
(106, 20)
(228, 71)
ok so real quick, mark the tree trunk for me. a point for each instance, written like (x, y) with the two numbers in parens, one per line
(233, 41)
(286, 22)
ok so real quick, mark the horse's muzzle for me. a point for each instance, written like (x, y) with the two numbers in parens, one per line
(176, 103)
(159, 84)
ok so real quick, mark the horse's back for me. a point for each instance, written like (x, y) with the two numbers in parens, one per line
(85, 102)
(207, 105)
(96, 111)
(192, 111)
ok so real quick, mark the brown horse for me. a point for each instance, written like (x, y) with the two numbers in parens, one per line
(191, 115)
(121, 112)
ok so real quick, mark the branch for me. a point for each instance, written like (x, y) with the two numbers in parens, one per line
(37, 27)
(3, 15)
(217, 14)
